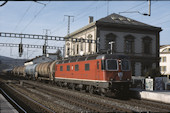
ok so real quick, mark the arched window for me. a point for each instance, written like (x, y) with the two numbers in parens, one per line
(73, 49)
(129, 44)
(147, 42)
(81, 44)
(110, 43)
(77, 48)
(89, 37)
(68, 49)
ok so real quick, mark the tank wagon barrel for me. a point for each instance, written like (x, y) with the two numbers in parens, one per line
(30, 70)
(46, 70)
(21, 71)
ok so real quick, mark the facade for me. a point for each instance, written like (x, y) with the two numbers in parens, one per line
(119, 35)
(165, 59)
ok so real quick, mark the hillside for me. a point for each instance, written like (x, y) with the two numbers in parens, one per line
(7, 62)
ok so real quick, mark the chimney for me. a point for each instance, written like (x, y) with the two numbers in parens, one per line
(90, 19)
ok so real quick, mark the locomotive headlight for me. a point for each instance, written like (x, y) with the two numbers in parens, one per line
(120, 74)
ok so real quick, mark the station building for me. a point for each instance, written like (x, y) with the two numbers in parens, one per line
(119, 35)
(165, 59)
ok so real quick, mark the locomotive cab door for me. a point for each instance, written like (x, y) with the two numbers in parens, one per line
(97, 70)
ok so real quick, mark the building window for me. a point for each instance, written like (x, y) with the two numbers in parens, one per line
(89, 42)
(68, 68)
(77, 48)
(163, 68)
(81, 44)
(129, 44)
(147, 42)
(73, 49)
(68, 48)
(110, 43)
(163, 59)
(61, 68)
(87, 67)
(76, 67)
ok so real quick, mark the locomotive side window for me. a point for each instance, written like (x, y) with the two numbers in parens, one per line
(76, 67)
(61, 68)
(87, 67)
(97, 64)
(111, 65)
(68, 68)
(125, 65)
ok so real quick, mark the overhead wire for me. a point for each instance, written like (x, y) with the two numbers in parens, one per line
(34, 17)
(23, 16)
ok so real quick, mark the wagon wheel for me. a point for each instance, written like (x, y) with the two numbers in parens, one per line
(91, 89)
(102, 92)
(59, 84)
(72, 86)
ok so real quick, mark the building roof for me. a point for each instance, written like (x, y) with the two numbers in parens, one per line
(118, 20)
(37, 58)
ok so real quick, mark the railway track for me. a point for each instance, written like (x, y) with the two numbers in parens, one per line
(84, 104)
(12, 102)
(28, 105)
(76, 101)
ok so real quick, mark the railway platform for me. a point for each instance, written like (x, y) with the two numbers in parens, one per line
(5, 106)
(160, 96)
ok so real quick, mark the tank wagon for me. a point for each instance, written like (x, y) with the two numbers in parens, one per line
(30, 71)
(15, 71)
(45, 71)
(21, 71)
(95, 73)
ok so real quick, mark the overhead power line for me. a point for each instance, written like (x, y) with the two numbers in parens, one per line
(3, 3)
(34, 17)
(23, 16)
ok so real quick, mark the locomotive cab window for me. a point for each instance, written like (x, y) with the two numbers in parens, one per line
(125, 65)
(111, 65)
(87, 67)
(61, 68)
(76, 67)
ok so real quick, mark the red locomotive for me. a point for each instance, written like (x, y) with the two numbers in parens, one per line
(94, 73)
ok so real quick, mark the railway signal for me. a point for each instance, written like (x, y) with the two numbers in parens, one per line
(20, 49)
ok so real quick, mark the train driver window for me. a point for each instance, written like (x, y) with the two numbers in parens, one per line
(87, 67)
(125, 65)
(111, 65)
(68, 68)
(76, 67)
(61, 68)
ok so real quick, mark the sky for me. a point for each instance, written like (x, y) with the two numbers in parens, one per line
(30, 17)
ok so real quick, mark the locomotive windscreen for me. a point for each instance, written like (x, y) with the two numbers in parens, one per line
(125, 65)
(111, 64)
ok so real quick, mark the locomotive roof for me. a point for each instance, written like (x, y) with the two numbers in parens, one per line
(92, 57)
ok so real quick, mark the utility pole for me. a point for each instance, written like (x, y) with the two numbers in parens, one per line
(149, 8)
(46, 41)
(69, 17)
